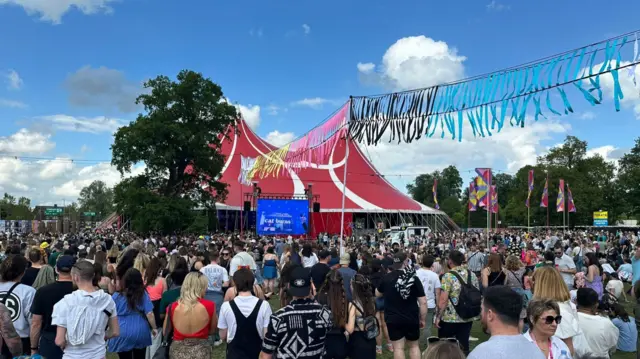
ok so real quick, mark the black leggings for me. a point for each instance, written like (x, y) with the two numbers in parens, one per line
(133, 354)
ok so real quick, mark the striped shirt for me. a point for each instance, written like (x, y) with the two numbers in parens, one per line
(298, 330)
(475, 261)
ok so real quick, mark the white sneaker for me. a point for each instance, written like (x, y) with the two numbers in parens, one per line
(219, 342)
(473, 339)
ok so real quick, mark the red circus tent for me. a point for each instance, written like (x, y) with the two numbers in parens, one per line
(366, 190)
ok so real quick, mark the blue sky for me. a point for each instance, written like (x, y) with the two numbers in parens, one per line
(69, 73)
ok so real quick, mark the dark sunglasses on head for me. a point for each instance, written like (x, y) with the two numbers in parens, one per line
(550, 319)
(432, 340)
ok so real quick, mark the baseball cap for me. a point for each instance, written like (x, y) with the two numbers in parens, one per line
(300, 282)
(44, 245)
(398, 260)
(345, 259)
(65, 263)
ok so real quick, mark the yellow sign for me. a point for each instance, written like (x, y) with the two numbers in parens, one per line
(601, 215)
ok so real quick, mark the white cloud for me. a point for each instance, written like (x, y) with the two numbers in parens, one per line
(82, 178)
(497, 7)
(306, 28)
(98, 124)
(279, 139)
(55, 168)
(508, 150)
(273, 110)
(414, 62)
(251, 114)
(631, 98)
(315, 103)
(12, 103)
(587, 115)
(608, 152)
(53, 10)
(26, 142)
(14, 81)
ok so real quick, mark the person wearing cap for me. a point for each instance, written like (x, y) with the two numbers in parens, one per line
(43, 333)
(402, 291)
(347, 274)
(299, 329)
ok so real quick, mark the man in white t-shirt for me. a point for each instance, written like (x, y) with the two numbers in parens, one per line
(565, 265)
(241, 259)
(244, 320)
(431, 284)
(598, 335)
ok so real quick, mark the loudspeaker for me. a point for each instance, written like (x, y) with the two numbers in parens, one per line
(316, 207)
(247, 206)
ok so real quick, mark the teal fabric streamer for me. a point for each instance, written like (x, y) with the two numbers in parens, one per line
(460, 123)
(536, 102)
(485, 109)
(494, 117)
(503, 113)
(550, 107)
(565, 100)
(473, 123)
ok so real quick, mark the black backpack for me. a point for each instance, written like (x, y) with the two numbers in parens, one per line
(470, 299)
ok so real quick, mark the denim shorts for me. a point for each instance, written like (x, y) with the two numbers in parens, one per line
(380, 304)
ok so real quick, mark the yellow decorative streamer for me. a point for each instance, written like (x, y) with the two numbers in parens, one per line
(270, 164)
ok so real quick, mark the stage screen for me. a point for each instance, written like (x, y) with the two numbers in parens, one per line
(282, 216)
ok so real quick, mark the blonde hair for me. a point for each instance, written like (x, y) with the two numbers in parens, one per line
(513, 263)
(141, 262)
(193, 287)
(113, 252)
(548, 284)
(443, 350)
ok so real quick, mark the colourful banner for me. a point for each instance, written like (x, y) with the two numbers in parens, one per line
(246, 165)
(560, 200)
(544, 202)
(530, 186)
(494, 199)
(435, 193)
(482, 186)
(473, 198)
(572, 206)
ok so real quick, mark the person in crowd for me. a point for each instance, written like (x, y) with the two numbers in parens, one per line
(320, 270)
(531, 257)
(615, 287)
(241, 259)
(493, 274)
(475, 259)
(628, 338)
(9, 338)
(82, 316)
(331, 294)
(309, 259)
(35, 257)
(43, 333)
(598, 335)
(17, 297)
(57, 251)
(193, 320)
(46, 275)
(500, 317)
(270, 270)
(564, 264)
(449, 323)
(294, 254)
(243, 321)
(405, 306)
(431, 284)
(285, 277)
(347, 274)
(593, 279)
(544, 318)
(288, 323)
(218, 278)
(135, 318)
(549, 284)
(362, 311)
(156, 285)
(378, 270)
(443, 350)
(178, 274)
(635, 265)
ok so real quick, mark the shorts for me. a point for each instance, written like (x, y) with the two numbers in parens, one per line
(410, 332)
(380, 304)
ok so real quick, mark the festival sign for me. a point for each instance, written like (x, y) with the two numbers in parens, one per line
(601, 218)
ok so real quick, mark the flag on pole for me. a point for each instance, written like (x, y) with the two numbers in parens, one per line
(530, 187)
(560, 200)
(482, 183)
(545, 194)
(435, 193)
(570, 204)
(473, 197)
(494, 199)
(246, 166)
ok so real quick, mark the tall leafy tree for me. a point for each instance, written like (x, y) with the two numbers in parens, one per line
(629, 175)
(178, 139)
(97, 197)
(449, 189)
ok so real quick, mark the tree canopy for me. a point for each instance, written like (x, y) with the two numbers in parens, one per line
(596, 184)
(177, 138)
(96, 197)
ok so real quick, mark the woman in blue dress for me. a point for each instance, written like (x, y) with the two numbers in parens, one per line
(270, 270)
(135, 316)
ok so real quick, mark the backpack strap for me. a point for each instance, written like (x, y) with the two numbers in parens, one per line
(8, 293)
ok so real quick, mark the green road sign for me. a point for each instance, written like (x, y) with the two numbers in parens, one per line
(53, 211)
(89, 214)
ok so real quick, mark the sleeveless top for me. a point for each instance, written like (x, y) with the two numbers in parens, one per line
(496, 278)
(200, 334)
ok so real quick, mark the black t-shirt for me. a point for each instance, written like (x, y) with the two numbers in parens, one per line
(44, 300)
(30, 276)
(396, 309)
(319, 272)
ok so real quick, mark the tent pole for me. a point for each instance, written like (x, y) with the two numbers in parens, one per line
(344, 182)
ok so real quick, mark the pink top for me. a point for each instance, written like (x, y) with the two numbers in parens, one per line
(155, 291)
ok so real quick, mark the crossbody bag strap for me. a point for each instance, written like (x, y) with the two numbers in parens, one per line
(8, 293)
(462, 283)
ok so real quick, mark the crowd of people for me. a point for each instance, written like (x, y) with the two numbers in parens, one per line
(536, 294)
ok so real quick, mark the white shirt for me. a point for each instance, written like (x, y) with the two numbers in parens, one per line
(615, 287)
(599, 336)
(19, 305)
(216, 276)
(242, 260)
(568, 328)
(430, 282)
(566, 262)
(559, 349)
(246, 304)
(308, 262)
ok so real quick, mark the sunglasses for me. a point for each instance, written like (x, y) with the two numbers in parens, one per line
(225, 254)
(550, 319)
(432, 340)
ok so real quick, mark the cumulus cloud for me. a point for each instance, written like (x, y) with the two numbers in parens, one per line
(251, 115)
(306, 28)
(12, 103)
(103, 88)
(414, 62)
(315, 103)
(26, 142)
(53, 10)
(85, 175)
(14, 81)
(55, 168)
(608, 152)
(94, 125)
(278, 138)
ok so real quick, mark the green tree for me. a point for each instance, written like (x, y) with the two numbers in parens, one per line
(96, 197)
(177, 138)
(629, 175)
(449, 189)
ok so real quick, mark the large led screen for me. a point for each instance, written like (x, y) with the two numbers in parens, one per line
(282, 216)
